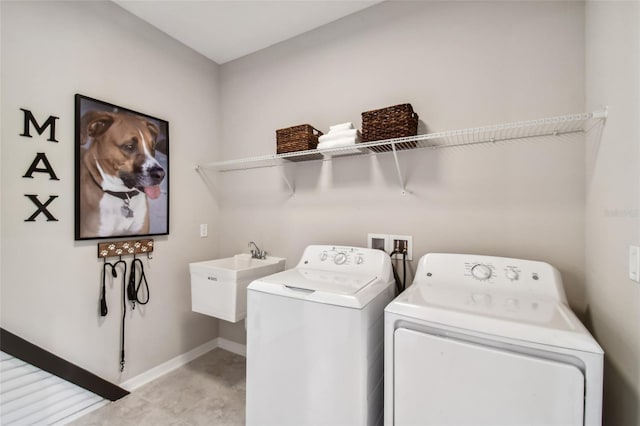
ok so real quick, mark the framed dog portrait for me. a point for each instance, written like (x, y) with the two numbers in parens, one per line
(121, 172)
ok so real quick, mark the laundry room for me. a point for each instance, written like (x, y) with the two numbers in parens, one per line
(570, 199)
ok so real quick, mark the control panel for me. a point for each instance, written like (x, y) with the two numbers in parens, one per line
(487, 271)
(343, 258)
(483, 276)
(519, 289)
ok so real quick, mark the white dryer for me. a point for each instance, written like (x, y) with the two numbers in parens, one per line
(479, 340)
(315, 340)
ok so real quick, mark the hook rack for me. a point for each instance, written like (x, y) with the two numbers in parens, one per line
(122, 248)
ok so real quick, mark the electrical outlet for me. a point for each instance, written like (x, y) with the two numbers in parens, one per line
(379, 242)
(400, 243)
(203, 230)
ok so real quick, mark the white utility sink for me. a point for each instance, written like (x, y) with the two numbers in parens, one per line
(219, 287)
(242, 266)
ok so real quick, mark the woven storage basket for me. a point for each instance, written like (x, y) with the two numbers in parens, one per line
(297, 138)
(392, 122)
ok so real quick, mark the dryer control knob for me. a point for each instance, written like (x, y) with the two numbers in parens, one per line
(359, 259)
(323, 256)
(481, 272)
(512, 274)
(340, 258)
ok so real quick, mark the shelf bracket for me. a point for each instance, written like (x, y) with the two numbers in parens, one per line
(284, 178)
(395, 157)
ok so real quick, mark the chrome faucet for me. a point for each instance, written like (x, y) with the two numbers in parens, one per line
(257, 253)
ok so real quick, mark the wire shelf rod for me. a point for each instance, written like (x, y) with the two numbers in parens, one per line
(551, 126)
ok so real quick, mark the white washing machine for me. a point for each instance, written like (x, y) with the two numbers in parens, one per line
(315, 340)
(479, 340)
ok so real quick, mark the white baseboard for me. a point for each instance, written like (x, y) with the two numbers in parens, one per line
(166, 367)
(231, 346)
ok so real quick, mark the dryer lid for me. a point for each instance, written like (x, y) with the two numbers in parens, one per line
(336, 288)
(525, 318)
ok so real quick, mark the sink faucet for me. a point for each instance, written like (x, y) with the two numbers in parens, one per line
(257, 253)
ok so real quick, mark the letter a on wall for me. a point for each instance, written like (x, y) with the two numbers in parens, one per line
(41, 157)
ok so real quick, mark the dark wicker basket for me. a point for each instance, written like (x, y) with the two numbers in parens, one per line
(392, 122)
(297, 138)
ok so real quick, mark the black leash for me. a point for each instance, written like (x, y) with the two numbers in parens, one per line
(114, 273)
(133, 289)
(130, 291)
(124, 310)
(103, 294)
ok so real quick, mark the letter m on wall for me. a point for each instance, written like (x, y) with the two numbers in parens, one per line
(30, 119)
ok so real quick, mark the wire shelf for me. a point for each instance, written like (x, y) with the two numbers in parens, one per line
(551, 126)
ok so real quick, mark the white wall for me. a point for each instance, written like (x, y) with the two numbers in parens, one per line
(460, 64)
(613, 200)
(50, 284)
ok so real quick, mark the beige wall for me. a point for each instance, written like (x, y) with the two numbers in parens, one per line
(49, 283)
(613, 200)
(460, 65)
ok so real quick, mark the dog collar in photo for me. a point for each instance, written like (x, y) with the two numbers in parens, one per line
(125, 197)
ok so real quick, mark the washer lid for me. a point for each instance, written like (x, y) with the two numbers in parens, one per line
(335, 288)
(521, 317)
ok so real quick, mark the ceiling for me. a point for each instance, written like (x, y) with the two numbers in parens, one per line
(225, 30)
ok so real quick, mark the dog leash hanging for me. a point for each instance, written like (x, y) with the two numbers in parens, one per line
(133, 289)
(103, 290)
(124, 310)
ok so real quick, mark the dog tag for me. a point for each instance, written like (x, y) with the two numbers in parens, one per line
(126, 211)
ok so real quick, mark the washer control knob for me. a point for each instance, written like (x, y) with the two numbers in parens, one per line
(323, 256)
(340, 258)
(481, 272)
(359, 259)
(512, 274)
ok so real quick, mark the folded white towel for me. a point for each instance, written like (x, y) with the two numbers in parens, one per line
(345, 151)
(339, 135)
(342, 126)
(336, 143)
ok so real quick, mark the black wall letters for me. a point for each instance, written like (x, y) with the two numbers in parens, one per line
(40, 159)
(30, 119)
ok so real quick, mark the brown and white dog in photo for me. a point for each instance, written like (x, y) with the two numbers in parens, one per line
(118, 171)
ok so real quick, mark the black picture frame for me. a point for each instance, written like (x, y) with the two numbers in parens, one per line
(121, 172)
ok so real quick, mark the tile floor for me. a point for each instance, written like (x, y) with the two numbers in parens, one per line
(209, 390)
